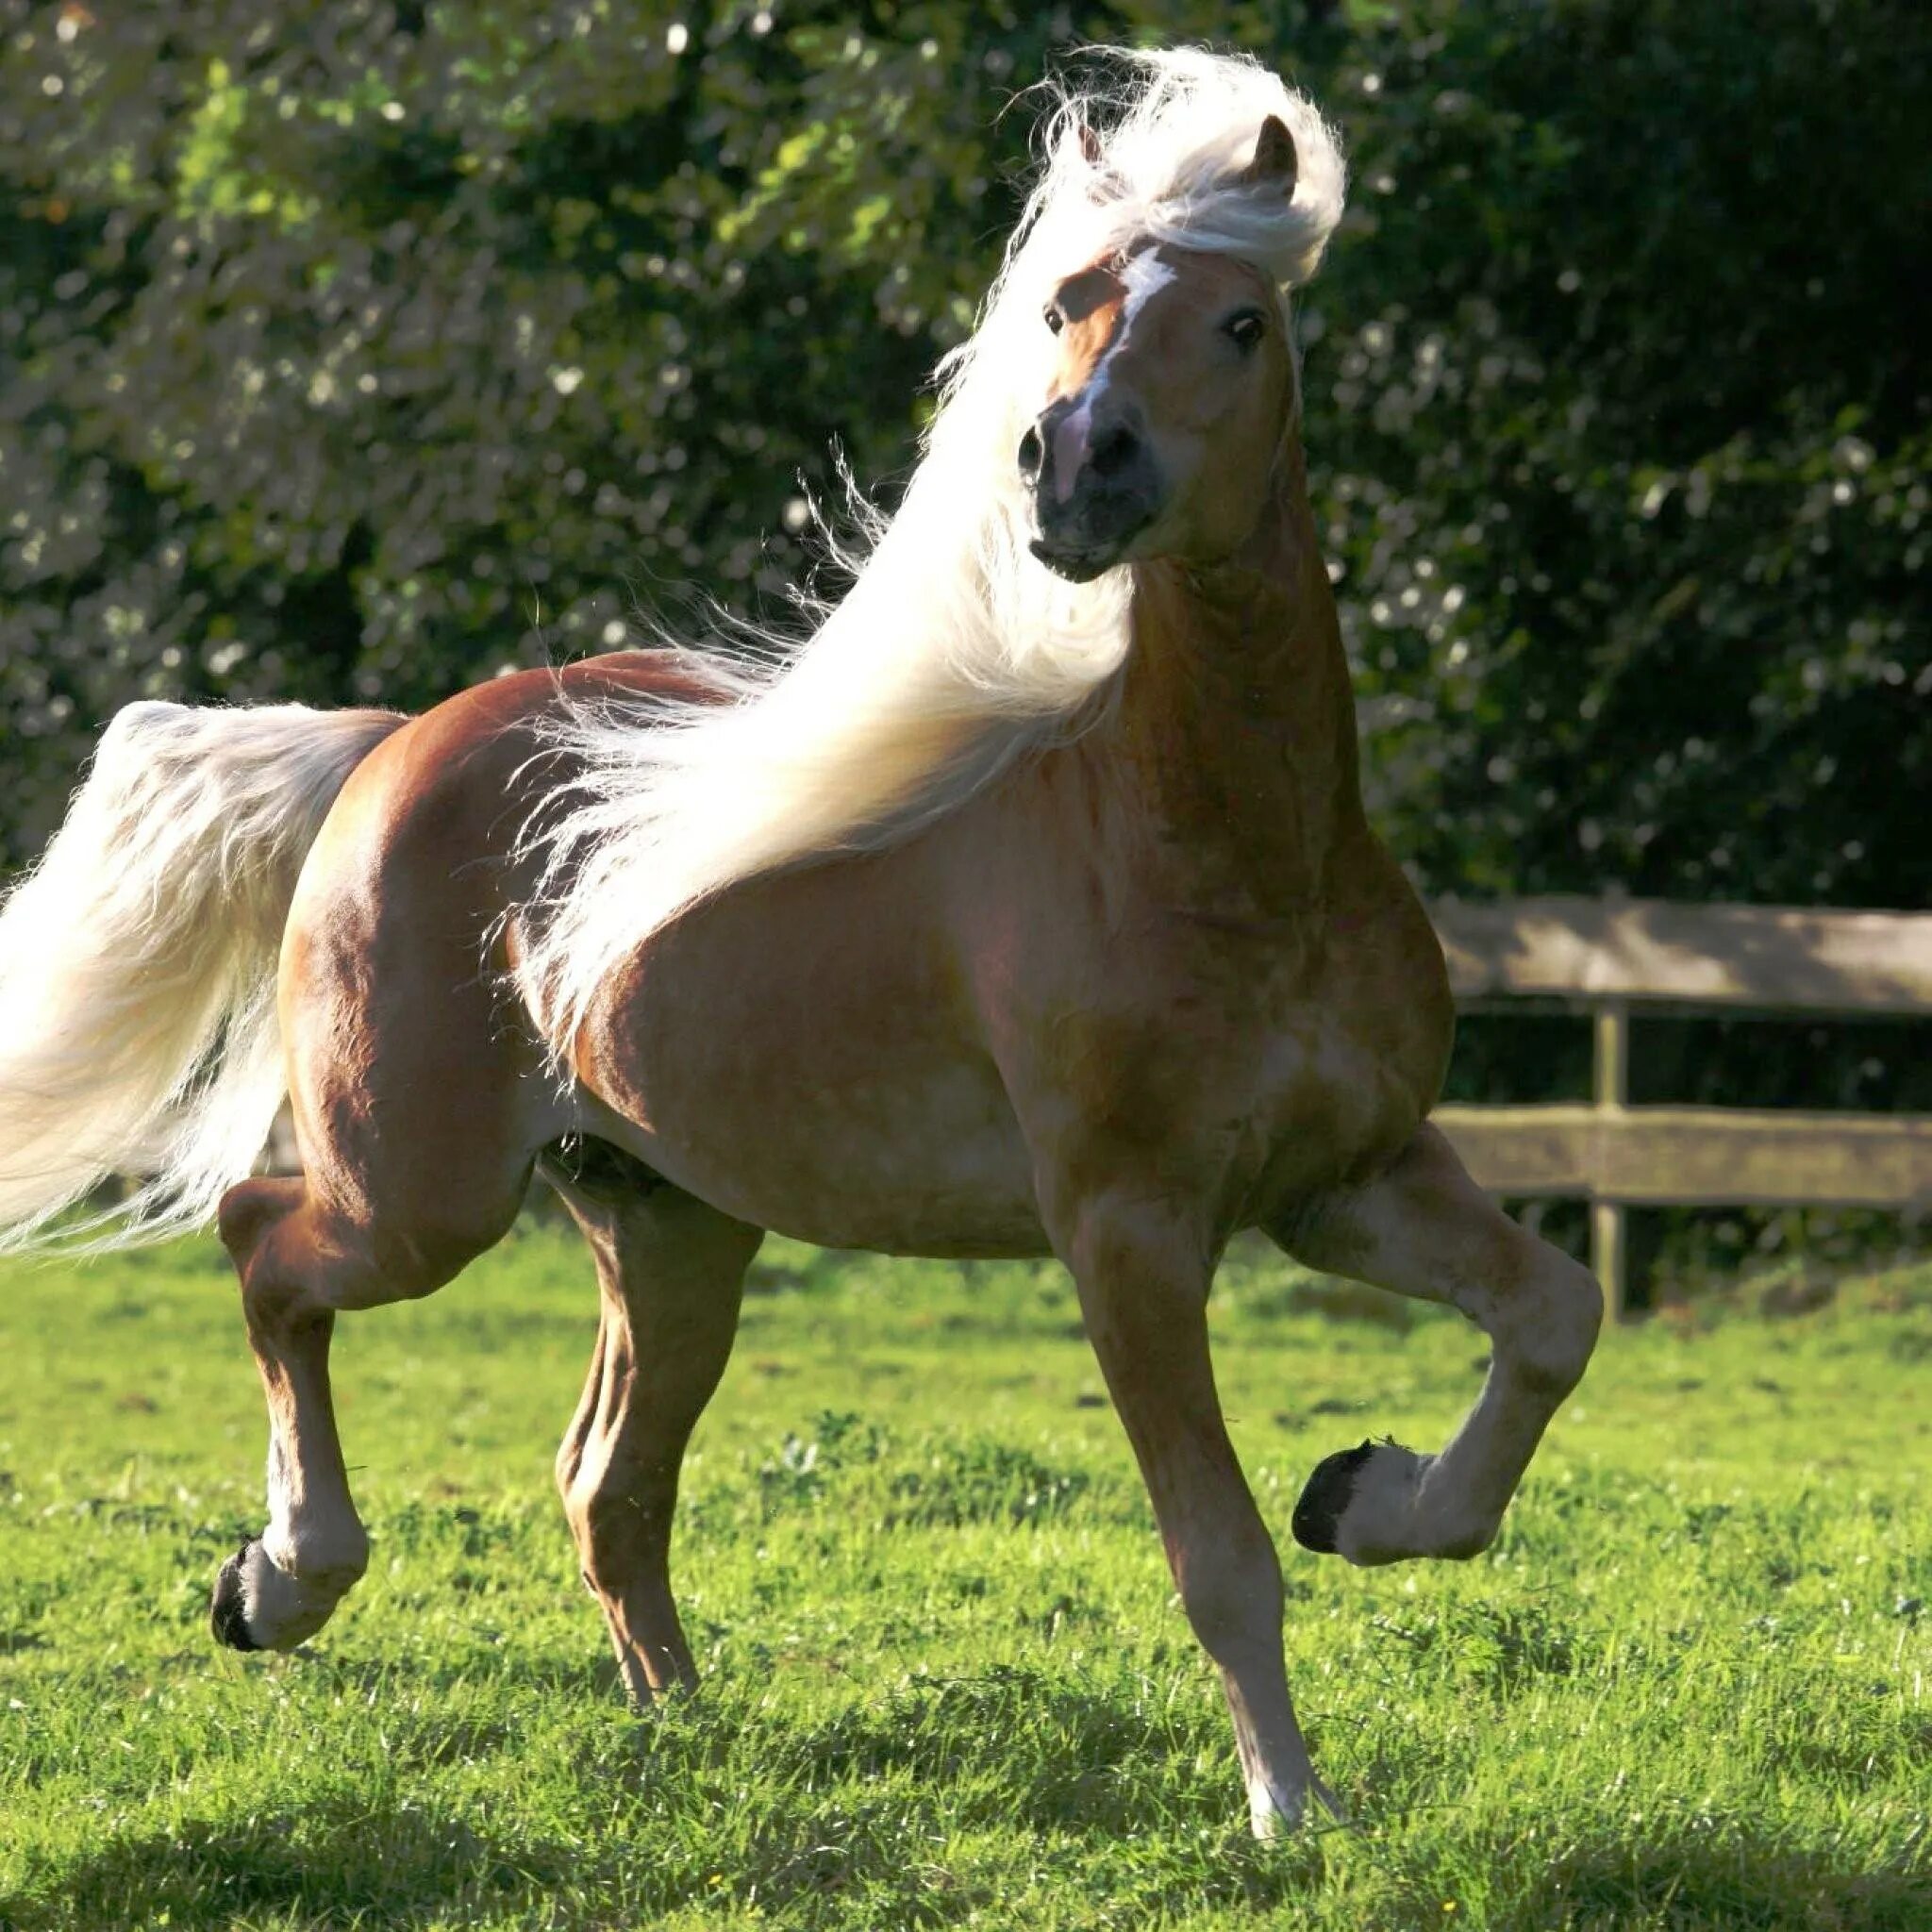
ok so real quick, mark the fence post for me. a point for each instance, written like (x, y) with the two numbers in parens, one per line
(1613, 1089)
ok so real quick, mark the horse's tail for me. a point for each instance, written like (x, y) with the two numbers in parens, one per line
(138, 1030)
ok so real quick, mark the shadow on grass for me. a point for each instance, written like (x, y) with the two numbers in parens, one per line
(321, 1863)
(1741, 1881)
(915, 1805)
(839, 1823)
(819, 1861)
(339, 1864)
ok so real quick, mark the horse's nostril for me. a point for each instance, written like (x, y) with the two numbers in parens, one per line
(1112, 449)
(1030, 453)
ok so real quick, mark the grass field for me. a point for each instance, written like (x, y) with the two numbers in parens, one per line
(948, 1683)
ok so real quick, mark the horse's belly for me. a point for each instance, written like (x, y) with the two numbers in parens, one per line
(924, 1168)
(819, 1078)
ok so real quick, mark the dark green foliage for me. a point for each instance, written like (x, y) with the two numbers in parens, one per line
(1643, 384)
(356, 350)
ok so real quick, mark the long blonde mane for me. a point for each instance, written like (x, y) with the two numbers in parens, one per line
(954, 652)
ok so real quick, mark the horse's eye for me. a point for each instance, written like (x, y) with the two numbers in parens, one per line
(1246, 329)
(1055, 319)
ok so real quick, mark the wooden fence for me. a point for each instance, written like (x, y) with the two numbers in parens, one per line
(1611, 958)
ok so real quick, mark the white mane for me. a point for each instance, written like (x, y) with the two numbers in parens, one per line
(953, 651)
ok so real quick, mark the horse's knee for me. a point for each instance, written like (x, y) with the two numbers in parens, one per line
(620, 1521)
(1231, 1587)
(614, 1514)
(1551, 1325)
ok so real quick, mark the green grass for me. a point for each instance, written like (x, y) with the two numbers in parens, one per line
(947, 1680)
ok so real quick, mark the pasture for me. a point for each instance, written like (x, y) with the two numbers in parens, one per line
(947, 1680)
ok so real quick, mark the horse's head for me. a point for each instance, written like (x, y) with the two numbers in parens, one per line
(1168, 403)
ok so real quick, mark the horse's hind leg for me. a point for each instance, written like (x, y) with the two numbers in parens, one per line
(421, 1100)
(419, 1122)
(670, 1274)
(1425, 1229)
(280, 1586)
(301, 1259)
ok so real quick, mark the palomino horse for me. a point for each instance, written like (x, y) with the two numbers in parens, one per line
(1029, 906)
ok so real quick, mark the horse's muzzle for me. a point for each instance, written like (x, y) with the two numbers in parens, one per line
(1093, 491)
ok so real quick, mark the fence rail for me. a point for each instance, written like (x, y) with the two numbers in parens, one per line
(1610, 958)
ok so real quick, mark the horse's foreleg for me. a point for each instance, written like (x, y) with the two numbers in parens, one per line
(1425, 1229)
(1143, 1290)
(671, 1273)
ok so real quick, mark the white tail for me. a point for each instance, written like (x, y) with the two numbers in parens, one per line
(138, 1030)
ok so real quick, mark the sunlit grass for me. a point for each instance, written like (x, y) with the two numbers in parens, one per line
(947, 1679)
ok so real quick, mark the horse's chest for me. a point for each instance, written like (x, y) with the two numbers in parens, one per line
(1256, 1084)
(1326, 1107)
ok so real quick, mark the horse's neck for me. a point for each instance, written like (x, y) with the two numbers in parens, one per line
(1235, 726)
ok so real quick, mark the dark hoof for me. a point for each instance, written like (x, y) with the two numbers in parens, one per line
(1325, 1496)
(225, 1616)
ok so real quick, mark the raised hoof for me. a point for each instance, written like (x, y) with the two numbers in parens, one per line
(226, 1617)
(1325, 1497)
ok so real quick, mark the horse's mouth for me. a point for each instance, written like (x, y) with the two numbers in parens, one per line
(1079, 563)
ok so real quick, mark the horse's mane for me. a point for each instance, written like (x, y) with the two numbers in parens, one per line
(953, 652)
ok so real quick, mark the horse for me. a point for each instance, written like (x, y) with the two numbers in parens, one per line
(1027, 906)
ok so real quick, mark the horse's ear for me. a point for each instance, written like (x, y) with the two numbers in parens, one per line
(1275, 164)
(1090, 145)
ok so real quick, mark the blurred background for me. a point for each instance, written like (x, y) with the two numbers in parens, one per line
(356, 352)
